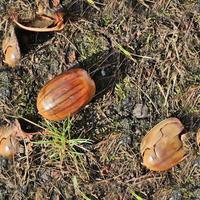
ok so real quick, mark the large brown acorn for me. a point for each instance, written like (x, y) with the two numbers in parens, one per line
(163, 147)
(65, 94)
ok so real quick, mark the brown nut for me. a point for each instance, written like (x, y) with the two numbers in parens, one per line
(66, 94)
(8, 142)
(162, 147)
(11, 48)
(9, 136)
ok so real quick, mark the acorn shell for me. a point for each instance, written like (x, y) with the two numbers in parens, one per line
(162, 147)
(8, 143)
(10, 47)
(7, 148)
(65, 94)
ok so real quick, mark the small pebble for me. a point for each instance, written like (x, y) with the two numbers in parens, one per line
(140, 111)
(176, 195)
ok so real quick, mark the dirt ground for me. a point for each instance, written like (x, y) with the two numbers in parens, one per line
(144, 57)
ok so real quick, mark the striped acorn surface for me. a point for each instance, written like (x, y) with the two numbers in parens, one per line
(65, 94)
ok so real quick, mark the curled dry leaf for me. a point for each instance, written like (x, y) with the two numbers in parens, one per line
(162, 147)
(48, 18)
(11, 48)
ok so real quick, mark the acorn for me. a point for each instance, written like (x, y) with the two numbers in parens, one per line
(10, 47)
(163, 147)
(65, 94)
(8, 142)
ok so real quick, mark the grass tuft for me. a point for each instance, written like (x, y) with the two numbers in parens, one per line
(122, 90)
(61, 145)
(78, 192)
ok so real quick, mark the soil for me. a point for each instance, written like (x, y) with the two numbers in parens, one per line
(144, 57)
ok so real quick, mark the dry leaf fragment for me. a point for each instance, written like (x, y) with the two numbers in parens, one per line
(198, 138)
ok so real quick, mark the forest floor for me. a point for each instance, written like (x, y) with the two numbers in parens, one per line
(144, 57)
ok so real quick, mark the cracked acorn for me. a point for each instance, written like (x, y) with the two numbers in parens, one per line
(163, 147)
(65, 94)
